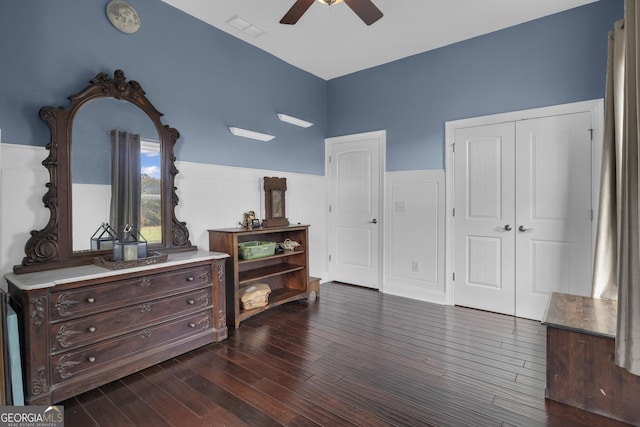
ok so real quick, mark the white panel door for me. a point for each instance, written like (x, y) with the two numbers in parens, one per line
(553, 210)
(485, 217)
(354, 203)
(522, 213)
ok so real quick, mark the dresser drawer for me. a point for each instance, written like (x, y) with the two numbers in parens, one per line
(92, 358)
(96, 298)
(89, 329)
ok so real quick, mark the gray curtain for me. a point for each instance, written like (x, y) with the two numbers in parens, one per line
(125, 180)
(617, 263)
(628, 333)
(605, 273)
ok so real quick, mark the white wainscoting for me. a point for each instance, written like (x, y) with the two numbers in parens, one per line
(91, 207)
(216, 197)
(210, 196)
(24, 182)
(415, 235)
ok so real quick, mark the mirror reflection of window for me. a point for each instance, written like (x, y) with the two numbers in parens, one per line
(150, 183)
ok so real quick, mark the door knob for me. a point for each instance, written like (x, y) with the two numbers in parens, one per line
(523, 228)
(374, 221)
(508, 227)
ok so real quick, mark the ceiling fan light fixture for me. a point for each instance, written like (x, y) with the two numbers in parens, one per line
(365, 9)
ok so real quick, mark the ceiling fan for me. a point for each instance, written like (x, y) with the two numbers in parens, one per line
(365, 9)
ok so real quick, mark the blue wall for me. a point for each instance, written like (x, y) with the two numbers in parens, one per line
(204, 80)
(554, 60)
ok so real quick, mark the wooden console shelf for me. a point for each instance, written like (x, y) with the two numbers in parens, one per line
(268, 271)
(287, 273)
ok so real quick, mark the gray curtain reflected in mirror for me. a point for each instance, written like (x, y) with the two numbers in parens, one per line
(125, 180)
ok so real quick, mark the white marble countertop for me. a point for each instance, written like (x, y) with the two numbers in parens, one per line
(50, 278)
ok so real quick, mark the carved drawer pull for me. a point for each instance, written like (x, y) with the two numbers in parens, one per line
(190, 279)
(91, 329)
(192, 324)
(91, 300)
(91, 359)
(145, 282)
(145, 308)
(191, 301)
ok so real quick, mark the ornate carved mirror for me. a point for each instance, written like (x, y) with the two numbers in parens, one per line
(83, 191)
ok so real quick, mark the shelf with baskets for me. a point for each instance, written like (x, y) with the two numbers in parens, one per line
(286, 273)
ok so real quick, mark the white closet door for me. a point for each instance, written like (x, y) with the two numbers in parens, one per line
(485, 217)
(553, 210)
(522, 213)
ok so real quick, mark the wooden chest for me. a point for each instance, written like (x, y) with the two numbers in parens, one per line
(581, 368)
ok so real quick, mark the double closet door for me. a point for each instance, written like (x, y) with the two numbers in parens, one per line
(523, 213)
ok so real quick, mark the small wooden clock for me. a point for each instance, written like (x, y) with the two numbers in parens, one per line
(274, 212)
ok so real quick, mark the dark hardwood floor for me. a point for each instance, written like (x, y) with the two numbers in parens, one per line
(356, 357)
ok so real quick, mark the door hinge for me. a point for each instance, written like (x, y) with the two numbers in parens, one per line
(591, 134)
(454, 277)
(591, 214)
(329, 258)
(329, 208)
(329, 159)
(453, 212)
(453, 147)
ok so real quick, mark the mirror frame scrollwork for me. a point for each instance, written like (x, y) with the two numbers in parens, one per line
(52, 247)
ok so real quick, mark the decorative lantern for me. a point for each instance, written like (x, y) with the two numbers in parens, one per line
(130, 245)
(103, 238)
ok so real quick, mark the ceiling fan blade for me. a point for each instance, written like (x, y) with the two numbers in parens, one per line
(297, 10)
(365, 9)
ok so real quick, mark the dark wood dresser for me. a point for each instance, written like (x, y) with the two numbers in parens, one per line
(581, 369)
(85, 326)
